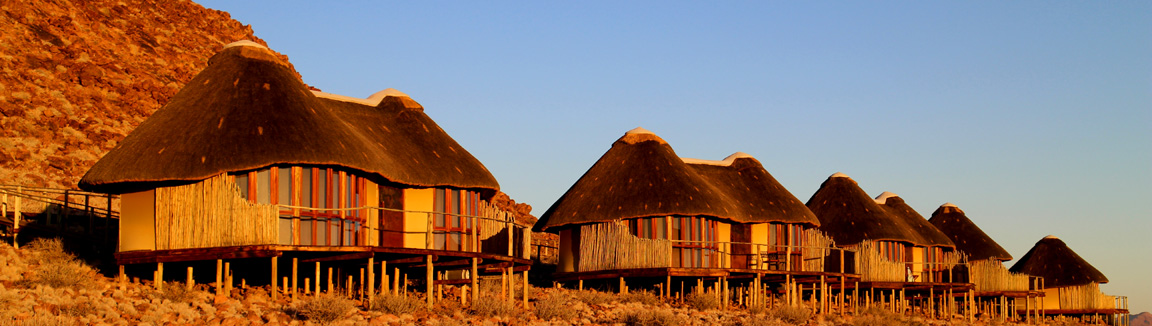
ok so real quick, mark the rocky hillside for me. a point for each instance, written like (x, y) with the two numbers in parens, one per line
(78, 76)
(1142, 319)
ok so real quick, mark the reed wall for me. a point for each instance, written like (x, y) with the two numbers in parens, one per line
(990, 275)
(211, 213)
(605, 246)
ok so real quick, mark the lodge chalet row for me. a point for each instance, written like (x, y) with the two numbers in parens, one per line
(248, 166)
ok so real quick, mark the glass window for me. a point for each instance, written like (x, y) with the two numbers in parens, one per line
(306, 187)
(286, 230)
(322, 189)
(263, 186)
(242, 182)
(283, 186)
(306, 231)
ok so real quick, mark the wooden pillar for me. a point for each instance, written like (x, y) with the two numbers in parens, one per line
(295, 276)
(158, 280)
(668, 286)
(316, 287)
(369, 291)
(227, 279)
(348, 287)
(524, 290)
(275, 277)
(396, 281)
(428, 278)
(330, 284)
(360, 289)
(511, 285)
(580, 285)
(219, 277)
(16, 219)
(188, 281)
(475, 280)
(620, 286)
(383, 276)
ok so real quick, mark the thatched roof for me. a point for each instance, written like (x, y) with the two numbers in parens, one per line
(641, 176)
(850, 216)
(1051, 259)
(248, 110)
(967, 237)
(929, 235)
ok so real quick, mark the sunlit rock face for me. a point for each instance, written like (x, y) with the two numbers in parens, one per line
(76, 77)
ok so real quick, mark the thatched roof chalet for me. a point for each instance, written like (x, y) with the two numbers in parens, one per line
(1051, 259)
(929, 235)
(850, 216)
(248, 110)
(968, 237)
(640, 176)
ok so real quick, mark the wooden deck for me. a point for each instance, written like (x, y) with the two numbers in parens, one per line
(315, 253)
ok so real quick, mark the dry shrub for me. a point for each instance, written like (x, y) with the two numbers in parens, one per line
(39, 320)
(324, 309)
(877, 317)
(76, 309)
(397, 304)
(643, 297)
(488, 306)
(57, 268)
(657, 317)
(756, 309)
(795, 315)
(555, 306)
(757, 321)
(175, 292)
(590, 297)
(702, 301)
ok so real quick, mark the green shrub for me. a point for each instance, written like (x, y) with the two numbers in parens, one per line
(397, 304)
(702, 301)
(650, 318)
(555, 306)
(324, 309)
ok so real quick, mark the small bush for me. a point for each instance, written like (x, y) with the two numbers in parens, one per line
(756, 309)
(56, 267)
(793, 315)
(643, 297)
(397, 304)
(175, 292)
(876, 317)
(650, 318)
(555, 306)
(702, 301)
(45, 250)
(488, 306)
(76, 309)
(324, 309)
(757, 321)
(591, 298)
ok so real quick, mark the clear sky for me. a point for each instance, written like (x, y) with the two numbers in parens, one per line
(1034, 117)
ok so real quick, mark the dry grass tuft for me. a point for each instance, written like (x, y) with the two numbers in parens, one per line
(175, 292)
(877, 317)
(57, 268)
(397, 304)
(592, 298)
(324, 309)
(643, 297)
(555, 306)
(702, 301)
(792, 315)
(488, 306)
(658, 317)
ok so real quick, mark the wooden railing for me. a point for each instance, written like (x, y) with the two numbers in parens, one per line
(65, 212)
(990, 275)
(211, 213)
(874, 267)
(607, 246)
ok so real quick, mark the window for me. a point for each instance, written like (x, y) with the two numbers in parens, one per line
(694, 242)
(452, 225)
(314, 201)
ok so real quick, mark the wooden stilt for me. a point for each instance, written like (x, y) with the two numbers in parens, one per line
(348, 287)
(524, 288)
(227, 279)
(405, 283)
(330, 289)
(383, 276)
(396, 281)
(620, 287)
(158, 281)
(428, 279)
(295, 277)
(475, 275)
(371, 287)
(360, 288)
(316, 287)
(285, 284)
(307, 286)
(123, 277)
(580, 285)
(219, 277)
(188, 282)
(275, 269)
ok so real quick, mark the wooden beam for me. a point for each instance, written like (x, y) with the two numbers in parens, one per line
(351, 256)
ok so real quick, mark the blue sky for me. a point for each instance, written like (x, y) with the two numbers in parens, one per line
(1033, 117)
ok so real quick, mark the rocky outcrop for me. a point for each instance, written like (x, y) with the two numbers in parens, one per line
(76, 77)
